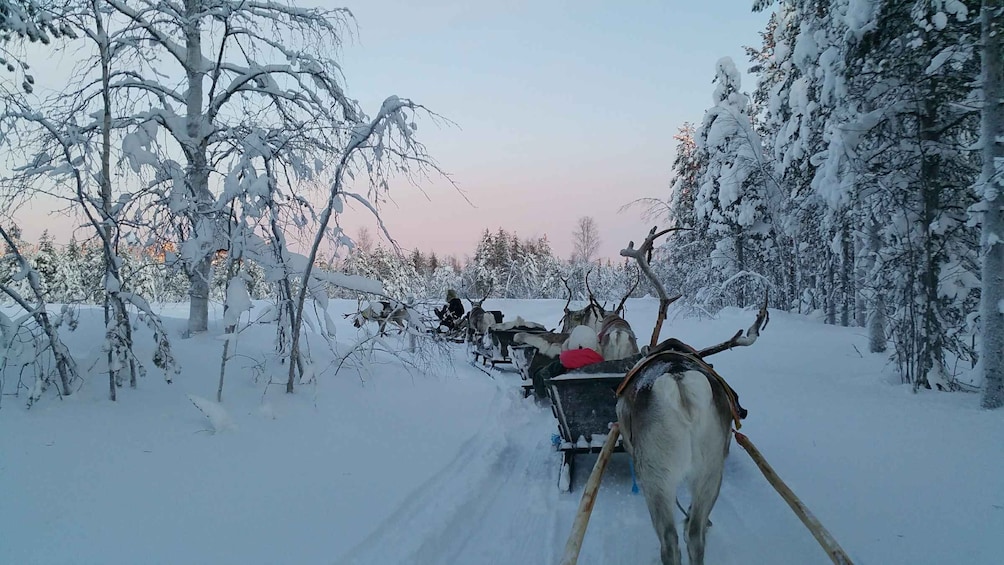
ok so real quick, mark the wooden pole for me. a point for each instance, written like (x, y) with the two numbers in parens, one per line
(824, 538)
(588, 499)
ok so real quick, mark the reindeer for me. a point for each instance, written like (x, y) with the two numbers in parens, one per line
(675, 414)
(616, 338)
(549, 344)
(477, 321)
(382, 312)
(590, 315)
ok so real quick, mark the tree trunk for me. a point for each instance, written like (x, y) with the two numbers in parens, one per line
(992, 305)
(197, 174)
(740, 267)
(198, 310)
(846, 274)
(862, 263)
(877, 339)
(932, 335)
(830, 292)
(876, 326)
(115, 315)
(794, 299)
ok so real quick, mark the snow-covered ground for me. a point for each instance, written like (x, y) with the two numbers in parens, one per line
(383, 463)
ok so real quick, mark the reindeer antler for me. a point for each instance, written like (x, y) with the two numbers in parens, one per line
(589, 292)
(739, 340)
(569, 303)
(491, 286)
(643, 255)
(620, 307)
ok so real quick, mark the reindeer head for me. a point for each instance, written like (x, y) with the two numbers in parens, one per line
(476, 304)
(362, 313)
(475, 318)
(590, 315)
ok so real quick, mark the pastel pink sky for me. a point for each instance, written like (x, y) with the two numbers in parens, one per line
(563, 108)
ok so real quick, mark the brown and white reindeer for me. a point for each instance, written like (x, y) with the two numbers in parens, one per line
(617, 339)
(590, 315)
(478, 319)
(675, 414)
(382, 312)
(549, 344)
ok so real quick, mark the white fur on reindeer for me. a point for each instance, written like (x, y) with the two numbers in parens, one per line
(517, 323)
(617, 340)
(582, 337)
(547, 344)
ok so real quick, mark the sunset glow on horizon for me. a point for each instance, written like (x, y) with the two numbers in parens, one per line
(561, 110)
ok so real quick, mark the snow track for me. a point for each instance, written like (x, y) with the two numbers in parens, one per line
(453, 466)
(497, 502)
(479, 507)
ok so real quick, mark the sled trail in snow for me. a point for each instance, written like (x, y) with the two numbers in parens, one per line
(497, 502)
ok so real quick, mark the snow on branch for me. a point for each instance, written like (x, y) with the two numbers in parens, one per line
(219, 418)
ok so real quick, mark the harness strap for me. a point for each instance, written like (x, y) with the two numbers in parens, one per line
(690, 355)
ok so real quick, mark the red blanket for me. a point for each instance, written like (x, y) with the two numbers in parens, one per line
(576, 358)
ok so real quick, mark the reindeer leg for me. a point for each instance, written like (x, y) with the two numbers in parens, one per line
(660, 507)
(704, 492)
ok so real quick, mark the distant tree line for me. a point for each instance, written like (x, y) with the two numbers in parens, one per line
(502, 265)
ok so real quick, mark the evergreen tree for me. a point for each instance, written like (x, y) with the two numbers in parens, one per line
(734, 198)
(68, 282)
(912, 72)
(46, 263)
(688, 249)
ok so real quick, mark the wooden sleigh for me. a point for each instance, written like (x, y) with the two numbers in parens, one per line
(584, 404)
(496, 346)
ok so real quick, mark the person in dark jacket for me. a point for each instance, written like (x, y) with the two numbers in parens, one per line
(451, 313)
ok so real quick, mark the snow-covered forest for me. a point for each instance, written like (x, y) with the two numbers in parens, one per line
(210, 152)
(845, 182)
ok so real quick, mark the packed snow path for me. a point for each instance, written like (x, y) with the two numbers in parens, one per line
(381, 464)
(497, 502)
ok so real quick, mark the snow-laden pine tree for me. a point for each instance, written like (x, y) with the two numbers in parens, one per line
(911, 69)
(798, 95)
(735, 198)
(686, 253)
(46, 262)
(68, 286)
(483, 273)
(443, 278)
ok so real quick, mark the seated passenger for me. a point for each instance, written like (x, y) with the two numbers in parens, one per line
(451, 313)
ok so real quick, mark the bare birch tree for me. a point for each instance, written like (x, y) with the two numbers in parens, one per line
(585, 240)
(68, 139)
(379, 147)
(243, 63)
